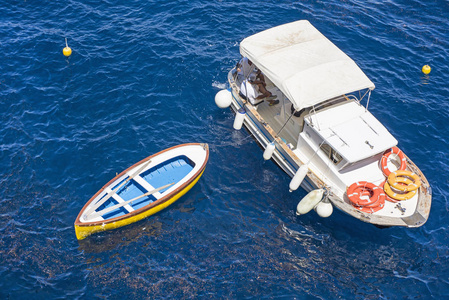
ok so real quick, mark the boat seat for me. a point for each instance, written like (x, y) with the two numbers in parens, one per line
(119, 199)
(146, 185)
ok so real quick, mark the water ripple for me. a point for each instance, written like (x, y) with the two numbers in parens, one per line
(142, 77)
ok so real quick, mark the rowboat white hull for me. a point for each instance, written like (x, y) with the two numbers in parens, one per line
(143, 189)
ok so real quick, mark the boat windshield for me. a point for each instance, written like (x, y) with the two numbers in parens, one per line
(333, 155)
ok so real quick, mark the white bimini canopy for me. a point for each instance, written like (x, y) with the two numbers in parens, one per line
(304, 64)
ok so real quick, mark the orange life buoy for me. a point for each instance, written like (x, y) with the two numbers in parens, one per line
(384, 160)
(388, 198)
(373, 196)
(370, 210)
(395, 181)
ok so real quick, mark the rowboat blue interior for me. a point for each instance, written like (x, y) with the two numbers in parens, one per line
(170, 171)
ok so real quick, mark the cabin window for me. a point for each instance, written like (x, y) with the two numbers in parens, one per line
(331, 154)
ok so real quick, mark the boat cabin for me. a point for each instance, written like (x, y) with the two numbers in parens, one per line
(348, 133)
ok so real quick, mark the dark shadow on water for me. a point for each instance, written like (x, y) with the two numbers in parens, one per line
(148, 227)
(109, 240)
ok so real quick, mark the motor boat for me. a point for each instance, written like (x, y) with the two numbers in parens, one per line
(319, 129)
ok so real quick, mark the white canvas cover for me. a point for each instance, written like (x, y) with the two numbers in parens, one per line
(304, 64)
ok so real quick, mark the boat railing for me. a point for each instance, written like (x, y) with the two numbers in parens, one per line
(349, 97)
(232, 75)
(359, 100)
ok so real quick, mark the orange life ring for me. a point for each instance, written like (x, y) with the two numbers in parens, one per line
(375, 200)
(370, 210)
(395, 181)
(382, 185)
(384, 160)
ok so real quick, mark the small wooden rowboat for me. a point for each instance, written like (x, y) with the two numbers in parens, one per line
(143, 189)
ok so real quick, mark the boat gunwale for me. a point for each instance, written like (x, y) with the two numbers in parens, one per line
(150, 205)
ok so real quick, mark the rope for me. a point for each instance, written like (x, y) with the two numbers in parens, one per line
(224, 144)
(277, 134)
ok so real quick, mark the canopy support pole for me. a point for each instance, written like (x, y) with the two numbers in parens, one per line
(369, 97)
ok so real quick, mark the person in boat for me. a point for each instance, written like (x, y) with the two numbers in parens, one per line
(244, 68)
(254, 90)
(296, 113)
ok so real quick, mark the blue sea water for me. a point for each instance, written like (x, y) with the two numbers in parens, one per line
(142, 77)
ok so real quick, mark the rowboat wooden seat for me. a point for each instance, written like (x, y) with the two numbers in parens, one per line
(120, 200)
(146, 185)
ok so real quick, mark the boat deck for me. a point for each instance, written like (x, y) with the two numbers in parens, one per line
(277, 116)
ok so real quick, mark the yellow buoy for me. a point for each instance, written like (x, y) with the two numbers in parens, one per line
(426, 69)
(67, 51)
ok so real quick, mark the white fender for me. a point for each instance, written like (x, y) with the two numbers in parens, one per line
(324, 209)
(239, 117)
(298, 178)
(309, 201)
(223, 98)
(268, 153)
